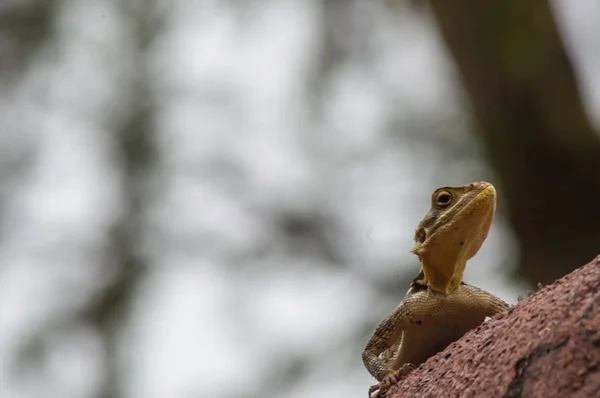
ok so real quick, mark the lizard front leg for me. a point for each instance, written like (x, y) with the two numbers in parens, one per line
(385, 338)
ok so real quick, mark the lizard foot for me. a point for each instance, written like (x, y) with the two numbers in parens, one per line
(530, 293)
(379, 390)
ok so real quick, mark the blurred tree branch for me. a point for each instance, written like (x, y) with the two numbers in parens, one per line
(138, 155)
(532, 122)
(110, 309)
(23, 27)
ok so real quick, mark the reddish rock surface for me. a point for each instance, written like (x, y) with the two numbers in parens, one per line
(546, 346)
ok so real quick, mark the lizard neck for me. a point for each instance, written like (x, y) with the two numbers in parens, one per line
(444, 282)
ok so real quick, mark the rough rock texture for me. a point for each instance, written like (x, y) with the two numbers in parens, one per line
(546, 346)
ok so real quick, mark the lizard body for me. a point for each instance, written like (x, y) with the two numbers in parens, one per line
(438, 308)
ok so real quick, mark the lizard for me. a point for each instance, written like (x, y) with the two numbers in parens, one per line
(439, 308)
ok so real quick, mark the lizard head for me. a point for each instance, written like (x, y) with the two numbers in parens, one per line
(452, 232)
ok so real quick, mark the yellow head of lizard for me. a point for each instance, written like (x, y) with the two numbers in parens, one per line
(452, 232)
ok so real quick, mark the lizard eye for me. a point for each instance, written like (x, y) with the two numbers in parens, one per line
(443, 199)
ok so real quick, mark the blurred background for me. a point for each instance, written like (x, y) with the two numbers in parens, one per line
(218, 198)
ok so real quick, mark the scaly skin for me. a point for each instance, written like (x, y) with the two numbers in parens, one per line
(438, 308)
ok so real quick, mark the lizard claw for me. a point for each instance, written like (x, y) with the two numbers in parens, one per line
(374, 391)
(379, 390)
(531, 293)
